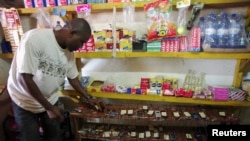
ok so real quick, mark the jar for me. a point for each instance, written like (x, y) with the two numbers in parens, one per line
(246, 83)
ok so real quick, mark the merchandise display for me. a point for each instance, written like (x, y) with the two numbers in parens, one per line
(127, 121)
(12, 27)
(193, 87)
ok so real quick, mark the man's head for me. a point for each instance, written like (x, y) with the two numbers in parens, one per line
(79, 32)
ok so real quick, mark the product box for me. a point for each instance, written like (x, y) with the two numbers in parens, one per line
(183, 41)
(170, 44)
(50, 3)
(61, 2)
(28, 4)
(219, 92)
(246, 86)
(110, 46)
(38, 3)
(100, 46)
(126, 45)
(154, 46)
(95, 86)
(89, 46)
(195, 40)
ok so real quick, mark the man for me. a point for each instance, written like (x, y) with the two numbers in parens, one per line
(41, 63)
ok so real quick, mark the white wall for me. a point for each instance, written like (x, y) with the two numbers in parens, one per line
(130, 70)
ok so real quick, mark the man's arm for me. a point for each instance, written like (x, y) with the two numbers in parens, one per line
(75, 83)
(94, 103)
(27, 81)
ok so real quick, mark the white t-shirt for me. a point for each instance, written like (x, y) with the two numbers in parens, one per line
(39, 54)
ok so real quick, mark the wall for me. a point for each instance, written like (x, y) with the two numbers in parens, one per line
(218, 71)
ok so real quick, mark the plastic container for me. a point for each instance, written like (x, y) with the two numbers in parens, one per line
(211, 31)
(223, 30)
(234, 31)
(58, 26)
(201, 25)
(246, 83)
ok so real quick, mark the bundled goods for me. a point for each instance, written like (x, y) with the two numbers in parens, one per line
(45, 3)
(220, 93)
(158, 20)
(12, 26)
(237, 94)
(224, 32)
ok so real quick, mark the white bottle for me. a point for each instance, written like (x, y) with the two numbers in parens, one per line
(58, 26)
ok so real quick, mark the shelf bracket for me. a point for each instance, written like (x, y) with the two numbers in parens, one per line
(241, 68)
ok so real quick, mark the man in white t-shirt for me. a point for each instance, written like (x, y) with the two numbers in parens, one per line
(41, 63)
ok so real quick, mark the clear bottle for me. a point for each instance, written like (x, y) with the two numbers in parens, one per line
(223, 31)
(201, 25)
(58, 26)
(234, 31)
(210, 37)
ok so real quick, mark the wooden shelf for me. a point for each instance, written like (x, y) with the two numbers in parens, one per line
(94, 7)
(138, 5)
(6, 55)
(197, 55)
(170, 99)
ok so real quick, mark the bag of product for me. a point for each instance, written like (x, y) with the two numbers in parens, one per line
(158, 20)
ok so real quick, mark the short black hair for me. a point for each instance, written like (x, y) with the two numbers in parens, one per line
(80, 26)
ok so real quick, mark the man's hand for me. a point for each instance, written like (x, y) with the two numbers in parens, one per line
(55, 113)
(94, 103)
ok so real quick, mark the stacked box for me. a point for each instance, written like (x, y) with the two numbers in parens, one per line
(154, 46)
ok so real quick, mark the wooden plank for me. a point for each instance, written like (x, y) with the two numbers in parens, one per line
(139, 5)
(170, 99)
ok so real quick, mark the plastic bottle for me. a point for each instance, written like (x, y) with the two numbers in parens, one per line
(201, 25)
(210, 37)
(58, 26)
(234, 31)
(223, 31)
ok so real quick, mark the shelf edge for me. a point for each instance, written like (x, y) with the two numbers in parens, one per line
(170, 99)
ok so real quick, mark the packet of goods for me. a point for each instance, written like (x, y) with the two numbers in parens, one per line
(158, 20)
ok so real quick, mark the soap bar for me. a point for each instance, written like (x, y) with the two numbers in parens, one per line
(188, 136)
(223, 114)
(176, 114)
(187, 114)
(123, 112)
(202, 114)
(130, 112)
(145, 107)
(164, 114)
(166, 137)
(148, 134)
(133, 134)
(141, 135)
(156, 135)
(150, 112)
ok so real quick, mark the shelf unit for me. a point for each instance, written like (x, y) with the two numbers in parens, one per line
(190, 55)
(6, 55)
(138, 5)
(242, 58)
(156, 98)
(241, 65)
(195, 55)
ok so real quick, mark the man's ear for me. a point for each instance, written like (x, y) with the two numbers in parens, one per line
(70, 33)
